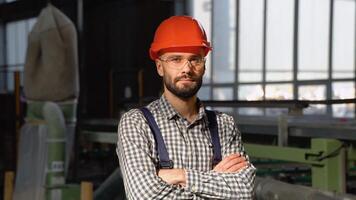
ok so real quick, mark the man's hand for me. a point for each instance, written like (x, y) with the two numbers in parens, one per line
(231, 163)
(173, 176)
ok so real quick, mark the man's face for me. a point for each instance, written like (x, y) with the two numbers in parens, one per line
(182, 73)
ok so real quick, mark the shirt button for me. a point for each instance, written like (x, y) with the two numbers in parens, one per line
(194, 188)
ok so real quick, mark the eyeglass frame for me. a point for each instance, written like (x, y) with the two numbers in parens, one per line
(188, 60)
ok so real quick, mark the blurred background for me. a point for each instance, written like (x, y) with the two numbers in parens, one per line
(285, 69)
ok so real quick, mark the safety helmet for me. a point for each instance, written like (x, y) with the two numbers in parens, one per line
(179, 33)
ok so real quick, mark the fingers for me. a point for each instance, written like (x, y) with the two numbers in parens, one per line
(237, 167)
(231, 163)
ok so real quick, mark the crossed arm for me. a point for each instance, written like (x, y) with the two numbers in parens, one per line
(230, 164)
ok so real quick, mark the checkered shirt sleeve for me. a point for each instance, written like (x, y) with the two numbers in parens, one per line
(189, 146)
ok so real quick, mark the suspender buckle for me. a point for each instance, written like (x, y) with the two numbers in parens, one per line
(166, 164)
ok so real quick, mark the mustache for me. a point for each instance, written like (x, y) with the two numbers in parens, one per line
(186, 76)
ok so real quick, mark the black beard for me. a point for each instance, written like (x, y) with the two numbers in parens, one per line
(186, 92)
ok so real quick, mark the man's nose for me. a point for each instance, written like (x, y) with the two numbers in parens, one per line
(187, 66)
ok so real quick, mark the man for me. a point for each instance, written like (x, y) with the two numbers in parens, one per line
(179, 49)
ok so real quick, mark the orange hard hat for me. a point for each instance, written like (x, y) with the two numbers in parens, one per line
(179, 33)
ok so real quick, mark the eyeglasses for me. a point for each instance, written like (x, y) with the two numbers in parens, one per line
(179, 62)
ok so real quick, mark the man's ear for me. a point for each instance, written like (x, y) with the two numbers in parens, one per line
(159, 67)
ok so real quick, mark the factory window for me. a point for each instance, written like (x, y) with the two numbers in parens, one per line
(253, 92)
(344, 40)
(280, 49)
(313, 41)
(224, 43)
(343, 90)
(250, 41)
(16, 34)
(279, 40)
(204, 93)
(313, 92)
(223, 93)
(279, 91)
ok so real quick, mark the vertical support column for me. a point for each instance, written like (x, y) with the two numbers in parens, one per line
(2, 56)
(17, 109)
(9, 185)
(282, 131)
(331, 175)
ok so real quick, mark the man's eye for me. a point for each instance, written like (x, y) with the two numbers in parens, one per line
(195, 60)
(175, 60)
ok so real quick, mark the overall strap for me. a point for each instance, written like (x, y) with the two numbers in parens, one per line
(213, 127)
(164, 161)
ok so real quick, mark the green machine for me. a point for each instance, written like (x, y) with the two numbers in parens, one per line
(46, 140)
(326, 156)
(54, 116)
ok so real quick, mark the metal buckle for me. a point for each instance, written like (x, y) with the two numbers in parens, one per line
(166, 164)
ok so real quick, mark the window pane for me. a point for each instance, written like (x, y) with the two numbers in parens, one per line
(2, 46)
(222, 94)
(315, 109)
(204, 93)
(250, 40)
(344, 39)
(279, 91)
(250, 92)
(276, 111)
(2, 58)
(313, 39)
(250, 111)
(11, 43)
(201, 10)
(279, 55)
(16, 46)
(22, 41)
(312, 92)
(224, 43)
(343, 90)
(250, 76)
(344, 110)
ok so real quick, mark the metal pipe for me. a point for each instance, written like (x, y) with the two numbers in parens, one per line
(270, 189)
(111, 188)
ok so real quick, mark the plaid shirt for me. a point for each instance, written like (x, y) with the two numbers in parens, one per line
(189, 145)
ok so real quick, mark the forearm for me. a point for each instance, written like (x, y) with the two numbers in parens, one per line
(142, 182)
(222, 185)
(138, 166)
(144, 185)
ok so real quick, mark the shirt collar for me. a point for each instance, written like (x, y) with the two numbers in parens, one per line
(168, 110)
